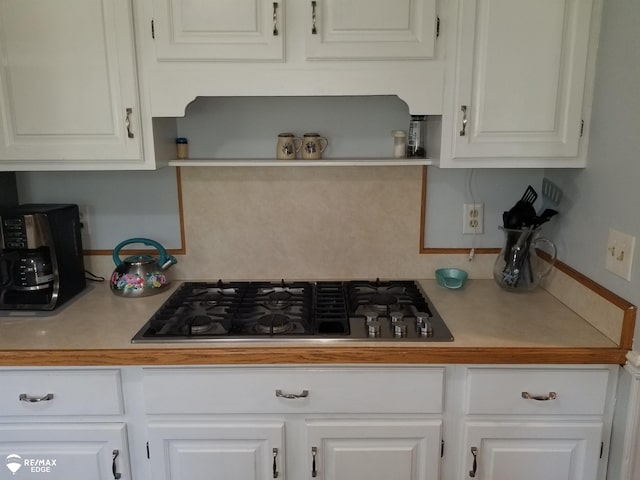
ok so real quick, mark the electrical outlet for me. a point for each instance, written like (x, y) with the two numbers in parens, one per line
(620, 253)
(473, 219)
(85, 220)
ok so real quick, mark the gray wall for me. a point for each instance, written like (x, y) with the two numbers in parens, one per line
(121, 205)
(607, 193)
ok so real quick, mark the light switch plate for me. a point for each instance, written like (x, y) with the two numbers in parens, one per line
(619, 257)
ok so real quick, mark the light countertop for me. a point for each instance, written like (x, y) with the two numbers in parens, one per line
(488, 325)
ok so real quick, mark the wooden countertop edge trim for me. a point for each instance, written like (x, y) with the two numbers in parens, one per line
(312, 355)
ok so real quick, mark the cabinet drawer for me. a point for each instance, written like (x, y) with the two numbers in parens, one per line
(343, 390)
(563, 391)
(60, 392)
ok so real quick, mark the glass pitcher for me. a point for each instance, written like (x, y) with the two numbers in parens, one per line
(519, 266)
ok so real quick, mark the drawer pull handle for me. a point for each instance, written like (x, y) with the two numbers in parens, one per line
(127, 122)
(314, 452)
(275, 19)
(26, 398)
(314, 29)
(474, 470)
(292, 396)
(463, 132)
(114, 469)
(540, 398)
(275, 466)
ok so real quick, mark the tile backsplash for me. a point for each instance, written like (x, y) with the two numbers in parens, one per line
(305, 223)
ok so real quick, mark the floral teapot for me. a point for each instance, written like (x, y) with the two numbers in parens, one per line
(140, 275)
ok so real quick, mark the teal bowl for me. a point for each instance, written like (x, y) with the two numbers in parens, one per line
(452, 278)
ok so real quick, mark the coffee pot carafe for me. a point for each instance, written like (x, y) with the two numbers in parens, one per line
(32, 270)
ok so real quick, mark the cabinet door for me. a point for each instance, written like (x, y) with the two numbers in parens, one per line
(226, 450)
(521, 77)
(532, 451)
(68, 86)
(374, 449)
(371, 29)
(64, 451)
(212, 31)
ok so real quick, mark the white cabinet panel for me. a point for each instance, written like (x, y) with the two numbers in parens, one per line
(220, 30)
(60, 392)
(227, 450)
(68, 87)
(521, 71)
(64, 451)
(570, 391)
(533, 451)
(365, 29)
(374, 449)
(203, 390)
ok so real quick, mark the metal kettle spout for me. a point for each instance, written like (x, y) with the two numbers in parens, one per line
(166, 265)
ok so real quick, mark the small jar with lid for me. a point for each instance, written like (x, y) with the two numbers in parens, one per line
(182, 148)
(399, 143)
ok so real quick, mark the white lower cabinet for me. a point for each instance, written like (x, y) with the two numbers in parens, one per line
(62, 424)
(63, 451)
(485, 422)
(534, 423)
(294, 423)
(533, 450)
(374, 449)
(238, 450)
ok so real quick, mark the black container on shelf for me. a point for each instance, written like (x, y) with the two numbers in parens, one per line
(416, 146)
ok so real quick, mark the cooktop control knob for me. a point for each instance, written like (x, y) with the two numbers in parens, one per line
(371, 317)
(426, 329)
(396, 317)
(399, 329)
(373, 328)
(421, 318)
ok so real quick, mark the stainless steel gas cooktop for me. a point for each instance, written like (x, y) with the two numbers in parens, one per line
(394, 310)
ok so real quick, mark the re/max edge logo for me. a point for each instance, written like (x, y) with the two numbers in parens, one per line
(15, 462)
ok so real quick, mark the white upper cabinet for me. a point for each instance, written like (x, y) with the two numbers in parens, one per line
(68, 85)
(522, 81)
(218, 31)
(366, 29)
(185, 30)
(191, 49)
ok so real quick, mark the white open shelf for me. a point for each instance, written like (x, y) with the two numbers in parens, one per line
(325, 162)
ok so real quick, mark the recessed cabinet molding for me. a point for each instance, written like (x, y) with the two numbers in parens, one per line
(523, 79)
(68, 86)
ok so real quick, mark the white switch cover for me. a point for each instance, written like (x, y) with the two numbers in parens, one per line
(620, 253)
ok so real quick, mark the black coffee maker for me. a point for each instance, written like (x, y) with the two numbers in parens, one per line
(41, 263)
